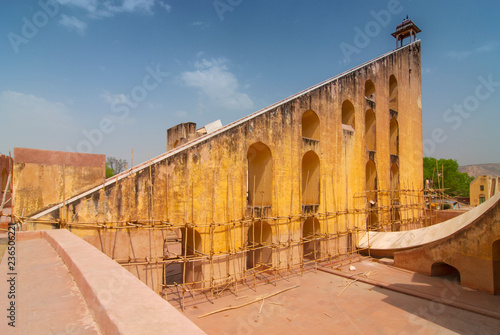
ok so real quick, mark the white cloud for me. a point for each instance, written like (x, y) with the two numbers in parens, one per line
(28, 104)
(72, 23)
(89, 5)
(131, 6)
(98, 9)
(200, 24)
(217, 83)
(114, 99)
(167, 7)
(461, 55)
(34, 121)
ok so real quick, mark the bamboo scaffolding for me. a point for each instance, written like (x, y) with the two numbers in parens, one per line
(325, 244)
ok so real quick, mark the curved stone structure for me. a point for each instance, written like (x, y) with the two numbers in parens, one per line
(469, 243)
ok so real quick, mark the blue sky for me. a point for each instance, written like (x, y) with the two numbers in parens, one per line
(108, 76)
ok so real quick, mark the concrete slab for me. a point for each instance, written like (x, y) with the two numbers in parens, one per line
(323, 305)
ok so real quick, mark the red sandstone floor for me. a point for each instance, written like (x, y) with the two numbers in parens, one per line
(316, 307)
(47, 299)
(49, 302)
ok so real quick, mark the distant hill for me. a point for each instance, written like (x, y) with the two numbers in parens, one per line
(492, 169)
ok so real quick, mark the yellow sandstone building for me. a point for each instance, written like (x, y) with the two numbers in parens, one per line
(292, 184)
(482, 188)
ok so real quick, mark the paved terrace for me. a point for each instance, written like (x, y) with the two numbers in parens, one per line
(63, 285)
(373, 299)
(66, 286)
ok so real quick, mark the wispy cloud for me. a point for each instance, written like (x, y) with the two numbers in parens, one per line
(167, 7)
(38, 118)
(461, 55)
(115, 100)
(72, 23)
(200, 24)
(100, 9)
(217, 83)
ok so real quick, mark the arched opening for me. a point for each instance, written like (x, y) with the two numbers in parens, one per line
(372, 221)
(172, 250)
(395, 220)
(395, 181)
(393, 93)
(4, 180)
(260, 175)
(176, 143)
(370, 90)
(370, 130)
(348, 114)
(260, 254)
(310, 179)
(310, 125)
(496, 266)
(371, 182)
(394, 137)
(191, 247)
(310, 235)
(447, 271)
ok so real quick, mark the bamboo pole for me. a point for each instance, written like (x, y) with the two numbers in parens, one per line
(248, 303)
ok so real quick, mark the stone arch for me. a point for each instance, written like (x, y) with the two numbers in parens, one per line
(370, 130)
(310, 179)
(370, 90)
(310, 233)
(310, 125)
(348, 114)
(372, 221)
(393, 93)
(371, 181)
(395, 179)
(191, 247)
(445, 270)
(259, 175)
(496, 266)
(394, 137)
(259, 242)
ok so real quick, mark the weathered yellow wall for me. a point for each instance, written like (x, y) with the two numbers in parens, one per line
(43, 178)
(205, 183)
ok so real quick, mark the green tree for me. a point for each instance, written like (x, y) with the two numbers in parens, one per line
(455, 182)
(109, 171)
(114, 166)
